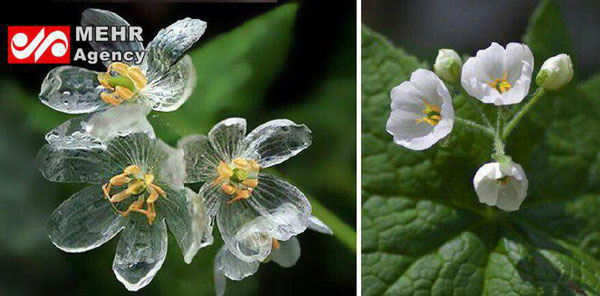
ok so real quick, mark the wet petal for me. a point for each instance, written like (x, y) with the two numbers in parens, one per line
(317, 225)
(220, 281)
(99, 17)
(201, 160)
(288, 253)
(232, 267)
(172, 89)
(72, 90)
(84, 221)
(141, 252)
(227, 138)
(277, 140)
(187, 220)
(170, 44)
(284, 205)
(96, 129)
(74, 165)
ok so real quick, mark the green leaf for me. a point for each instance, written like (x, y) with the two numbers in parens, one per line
(424, 231)
(234, 73)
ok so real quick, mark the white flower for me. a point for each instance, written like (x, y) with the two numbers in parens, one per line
(501, 184)
(499, 76)
(284, 253)
(164, 80)
(422, 111)
(448, 65)
(137, 187)
(251, 208)
(555, 73)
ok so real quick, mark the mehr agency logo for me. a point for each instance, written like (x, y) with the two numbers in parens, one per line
(52, 44)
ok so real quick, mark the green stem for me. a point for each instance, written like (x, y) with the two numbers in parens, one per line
(515, 120)
(475, 126)
(341, 230)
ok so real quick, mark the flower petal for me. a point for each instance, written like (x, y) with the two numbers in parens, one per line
(84, 221)
(96, 129)
(317, 225)
(288, 253)
(98, 17)
(172, 89)
(277, 140)
(284, 205)
(72, 90)
(201, 160)
(220, 281)
(74, 165)
(141, 252)
(227, 138)
(170, 44)
(187, 220)
(232, 267)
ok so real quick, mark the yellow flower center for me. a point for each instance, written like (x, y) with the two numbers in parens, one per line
(501, 84)
(503, 181)
(123, 81)
(238, 178)
(137, 184)
(432, 113)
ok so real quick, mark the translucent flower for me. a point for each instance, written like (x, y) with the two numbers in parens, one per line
(448, 65)
(501, 184)
(499, 76)
(251, 208)
(164, 79)
(422, 111)
(138, 188)
(556, 72)
(284, 253)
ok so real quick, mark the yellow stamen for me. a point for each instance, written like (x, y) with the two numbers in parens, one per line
(238, 178)
(122, 81)
(139, 185)
(501, 84)
(503, 181)
(276, 244)
(432, 113)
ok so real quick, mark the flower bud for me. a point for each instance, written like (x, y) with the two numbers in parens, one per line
(556, 72)
(448, 65)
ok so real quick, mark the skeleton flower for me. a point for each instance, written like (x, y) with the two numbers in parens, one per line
(422, 111)
(164, 79)
(138, 188)
(253, 210)
(501, 184)
(497, 75)
(284, 253)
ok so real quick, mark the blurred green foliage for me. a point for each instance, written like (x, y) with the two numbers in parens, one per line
(236, 72)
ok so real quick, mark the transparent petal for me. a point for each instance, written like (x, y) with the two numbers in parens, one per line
(276, 210)
(277, 140)
(141, 252)
(212, 196)
(227, 138)
(201, 159)
(317, 225)
(72, 90)
(173, 88)
(74, 165)
(99, 17)
(232, 267)
(94, 130)
(288, 253)
(170, 44)
(84, 221)
(187, 220)
(245, 232)
(283, 204)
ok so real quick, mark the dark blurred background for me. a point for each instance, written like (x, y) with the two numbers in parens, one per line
(422, 27)
(299, 65)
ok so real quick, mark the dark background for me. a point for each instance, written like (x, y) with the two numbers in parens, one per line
(316, 85)
(422, 27)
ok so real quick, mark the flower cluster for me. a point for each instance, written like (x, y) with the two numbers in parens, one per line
(422, 112)
(137, 182)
